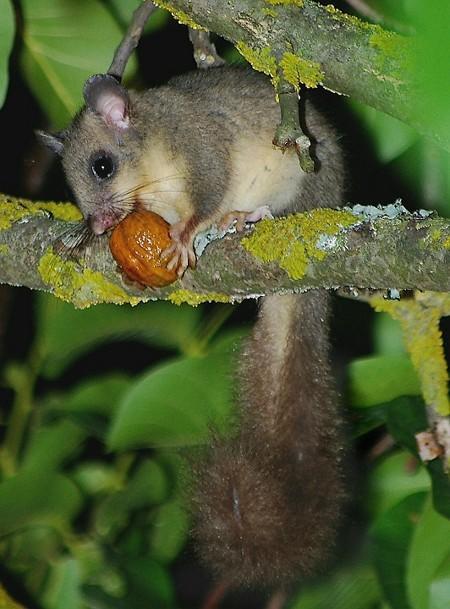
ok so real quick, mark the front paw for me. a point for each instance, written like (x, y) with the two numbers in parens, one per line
(180, 254)
(240, 218)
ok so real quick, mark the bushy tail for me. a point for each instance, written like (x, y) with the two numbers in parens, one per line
(268, 501)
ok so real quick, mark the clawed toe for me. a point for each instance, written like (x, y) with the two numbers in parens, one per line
(240, 218)
(179, 257)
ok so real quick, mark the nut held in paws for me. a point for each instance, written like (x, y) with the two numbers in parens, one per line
(137, 243)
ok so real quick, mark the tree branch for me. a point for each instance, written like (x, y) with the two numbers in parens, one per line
(131, 39)
(366, 248)
(314, 44)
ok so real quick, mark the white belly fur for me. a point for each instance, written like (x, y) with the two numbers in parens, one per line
(262, 175)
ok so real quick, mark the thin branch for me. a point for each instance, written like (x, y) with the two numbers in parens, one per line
(368, 11)
(205, 53)
(131, 39)
(289, 132)
(365, 9)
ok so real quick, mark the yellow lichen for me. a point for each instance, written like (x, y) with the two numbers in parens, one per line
(349, 19)
(419, 319)
(269, 12)
(298, 3)
(82, 287)
(260, 59)
(4, 249)
(293, 241)
(297, 70)
(391, 46)
(6, 602)
(179, 297)
(179, 15)
(13, 209)
(437, 237)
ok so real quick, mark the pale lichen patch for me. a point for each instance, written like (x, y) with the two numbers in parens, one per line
(297, 239)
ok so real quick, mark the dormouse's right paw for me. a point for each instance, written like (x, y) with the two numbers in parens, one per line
(180, 254)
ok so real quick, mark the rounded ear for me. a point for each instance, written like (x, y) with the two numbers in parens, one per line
(53, 141)
(105, 96)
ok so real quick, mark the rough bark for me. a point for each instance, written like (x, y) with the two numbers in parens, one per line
(314, 44)
(377, 249)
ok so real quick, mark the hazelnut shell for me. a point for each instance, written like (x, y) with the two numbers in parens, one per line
(137, 243)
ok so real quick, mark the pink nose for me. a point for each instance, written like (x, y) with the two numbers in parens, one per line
(101, 222)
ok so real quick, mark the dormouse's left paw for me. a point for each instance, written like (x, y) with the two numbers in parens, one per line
(241, 217)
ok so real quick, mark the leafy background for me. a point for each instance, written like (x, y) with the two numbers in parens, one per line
(99, 407)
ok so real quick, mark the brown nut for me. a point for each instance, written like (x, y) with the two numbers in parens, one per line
(137, 243)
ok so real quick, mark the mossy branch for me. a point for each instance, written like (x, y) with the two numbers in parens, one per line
(359, 248)
(310, 44)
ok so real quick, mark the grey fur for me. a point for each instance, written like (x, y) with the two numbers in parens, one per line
(268, 501)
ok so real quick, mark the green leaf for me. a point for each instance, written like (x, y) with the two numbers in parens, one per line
(382, 378)
(66, 333)
(63, 588)
(366, 419)
(430, 547)
(95, 477)
(7, 27)
(391, 535)
(350, 588)
(150, 585)
(390, 136)
(388, 335)
(170, 531)
(53, 444)
(64, 43)
(440, 587)
(148, 486)
(175, 404)
(37, 498)
(433, 65)
(393, 479)
(96, 396)
(426, 169)
(405, 418)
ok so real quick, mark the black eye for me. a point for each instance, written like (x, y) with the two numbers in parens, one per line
(103, 167)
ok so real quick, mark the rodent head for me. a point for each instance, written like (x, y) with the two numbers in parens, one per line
(98, 154)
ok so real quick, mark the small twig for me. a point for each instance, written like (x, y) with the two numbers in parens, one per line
(435, 441)
(131, 39)
(215, 596)
(385, 443)
(205, 53)
(289, 133)
(364, 9)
